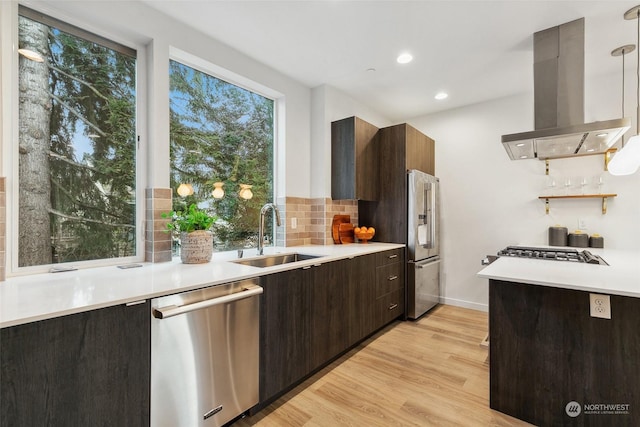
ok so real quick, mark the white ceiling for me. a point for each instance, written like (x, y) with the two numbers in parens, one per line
(474, 50)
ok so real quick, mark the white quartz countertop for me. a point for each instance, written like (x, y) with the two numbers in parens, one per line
(620, 277)
(43, 296)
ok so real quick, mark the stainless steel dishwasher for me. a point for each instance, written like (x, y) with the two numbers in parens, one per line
(204, 355)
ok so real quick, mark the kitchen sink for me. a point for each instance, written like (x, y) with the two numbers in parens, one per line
(277, 259)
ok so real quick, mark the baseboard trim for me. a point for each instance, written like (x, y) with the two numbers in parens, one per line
(465, 304)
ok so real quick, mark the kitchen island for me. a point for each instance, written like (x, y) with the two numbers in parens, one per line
(551, 362)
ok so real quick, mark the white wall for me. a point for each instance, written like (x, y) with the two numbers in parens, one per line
(489, 201)
(327, 105)
(5, 83)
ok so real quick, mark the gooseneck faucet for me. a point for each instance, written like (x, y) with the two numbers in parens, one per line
(263, 211)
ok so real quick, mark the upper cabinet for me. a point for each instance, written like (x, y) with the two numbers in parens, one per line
(354, 160)
(403, 147)
(366, 161)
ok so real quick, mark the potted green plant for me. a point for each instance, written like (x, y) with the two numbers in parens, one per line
(196, 238)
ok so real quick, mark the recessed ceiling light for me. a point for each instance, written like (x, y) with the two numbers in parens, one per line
(591, 150)
(404, 58)
(520, 144)
(523, 157)
(602, 135)
(441, 95)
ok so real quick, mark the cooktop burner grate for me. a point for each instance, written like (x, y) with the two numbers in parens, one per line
(563, 254)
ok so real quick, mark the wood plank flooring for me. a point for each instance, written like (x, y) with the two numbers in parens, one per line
(432, 372)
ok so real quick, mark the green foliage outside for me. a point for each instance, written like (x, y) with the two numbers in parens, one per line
(81, 185)
(221, 133)
(91, 148)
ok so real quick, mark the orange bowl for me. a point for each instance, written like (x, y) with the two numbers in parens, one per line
(364, 236)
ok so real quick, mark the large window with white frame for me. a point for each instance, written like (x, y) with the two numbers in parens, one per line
(222, 152)
(76, 157)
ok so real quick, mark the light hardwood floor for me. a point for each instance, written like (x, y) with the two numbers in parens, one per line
(432, 372)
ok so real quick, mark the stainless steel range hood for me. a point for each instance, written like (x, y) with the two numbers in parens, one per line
(560, 131)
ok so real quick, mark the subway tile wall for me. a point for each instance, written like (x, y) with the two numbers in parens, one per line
(313, 219)
(336, 207)
(300, 209)
(157, 240)
(3, 229)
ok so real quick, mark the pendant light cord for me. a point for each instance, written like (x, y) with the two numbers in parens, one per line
(637, 75)
(623, 53)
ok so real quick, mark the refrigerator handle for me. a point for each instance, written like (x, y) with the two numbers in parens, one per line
(429, 213)
(424, 263)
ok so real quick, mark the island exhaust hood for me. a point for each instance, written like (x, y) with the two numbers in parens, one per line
(560, 131)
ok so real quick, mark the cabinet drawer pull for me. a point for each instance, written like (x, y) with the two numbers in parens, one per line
(129, 304)
(393, 256)
(392, 306)
(392, 278)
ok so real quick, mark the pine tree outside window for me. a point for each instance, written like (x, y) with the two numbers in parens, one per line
(221, 135)
(76, 144)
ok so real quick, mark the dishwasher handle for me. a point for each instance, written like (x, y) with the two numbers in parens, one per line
(172, 310)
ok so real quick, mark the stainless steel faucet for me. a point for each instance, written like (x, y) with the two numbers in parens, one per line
(263, 211)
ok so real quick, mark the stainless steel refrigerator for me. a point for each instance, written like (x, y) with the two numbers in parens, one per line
(423, 243)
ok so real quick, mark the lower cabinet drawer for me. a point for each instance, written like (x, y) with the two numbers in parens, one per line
(390, 257)
(390, 306)
(389, 278)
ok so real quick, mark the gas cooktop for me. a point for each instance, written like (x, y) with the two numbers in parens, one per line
(560, 254)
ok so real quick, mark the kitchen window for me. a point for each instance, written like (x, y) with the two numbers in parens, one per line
(76, 157)
(222, 151)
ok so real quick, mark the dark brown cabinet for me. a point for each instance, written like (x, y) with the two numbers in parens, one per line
(389, 289)
(311, 315)
(546, 351)
(421, 150)
(354, 160)
(341, 306)
(401, 147)
(404, 147)
(284, 330)
(329, 305)
(360, 311)
(301, 324)
(85, 369)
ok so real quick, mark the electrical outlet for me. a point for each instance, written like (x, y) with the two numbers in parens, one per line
(582, 224)
(294, 223)
(600, 306)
